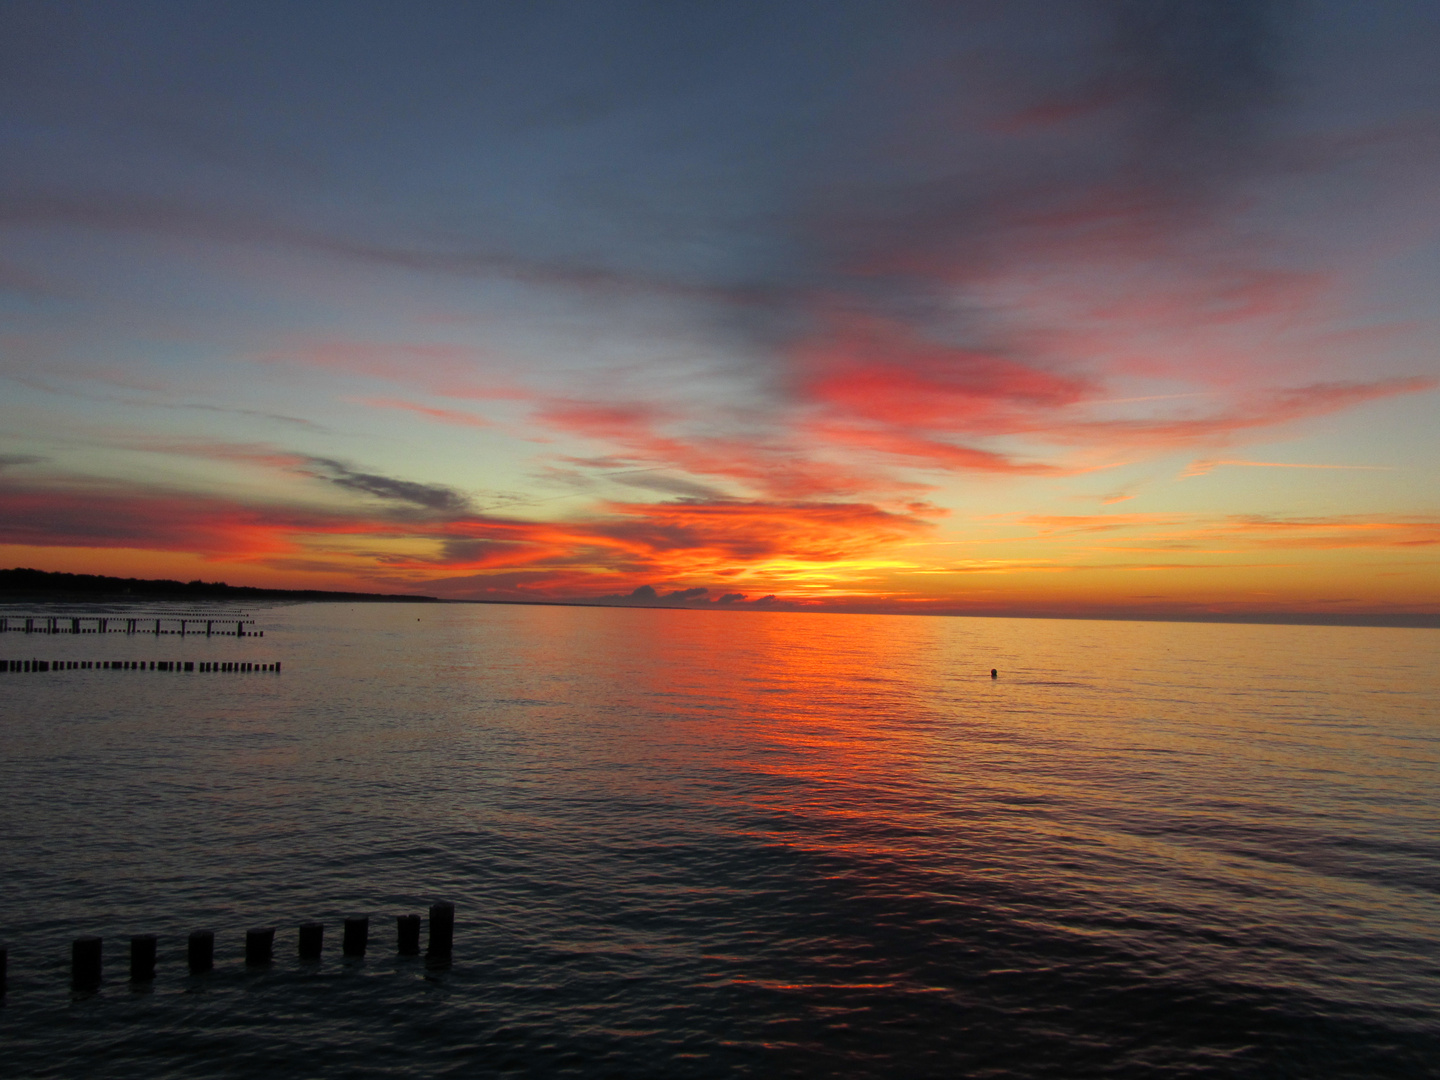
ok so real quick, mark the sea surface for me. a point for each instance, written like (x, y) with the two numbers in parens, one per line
(721, 844)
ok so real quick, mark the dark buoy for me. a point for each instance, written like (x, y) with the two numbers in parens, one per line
(442, 928)
(312, 940)
(201, 951)
(357, 935)
(259, 945)
(142, 957)
(85, 962)
(407, 934)
(994, 674)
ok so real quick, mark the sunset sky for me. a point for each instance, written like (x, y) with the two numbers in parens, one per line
(1069, 306)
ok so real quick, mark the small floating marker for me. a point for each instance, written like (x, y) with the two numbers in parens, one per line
(201, 951)
(142, 958)
(442, 928)
(357, 935)
(259, 946)
(407, 935)
(85, 962)
(312, 940)
(994, 673)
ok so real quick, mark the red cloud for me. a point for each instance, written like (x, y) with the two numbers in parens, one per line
(775, 466)
(882, 372)
(876, 386)
(445, 416)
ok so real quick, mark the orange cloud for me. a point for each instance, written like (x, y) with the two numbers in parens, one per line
(593, 554)
(1204, 468)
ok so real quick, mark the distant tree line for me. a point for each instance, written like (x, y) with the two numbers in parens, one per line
(40, 583)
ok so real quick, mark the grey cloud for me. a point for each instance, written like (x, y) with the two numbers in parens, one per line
(461, 550)
(648, 480)
(1201, 61)
(434, 497)
(687, 594)
(9, 460)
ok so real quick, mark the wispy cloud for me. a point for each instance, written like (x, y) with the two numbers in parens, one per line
(1204, 468)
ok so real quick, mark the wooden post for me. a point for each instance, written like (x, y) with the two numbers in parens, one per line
(142, 958)
(4, 962)
(201, 951)
(442, 928)
(259, 945)
(85, 962)
(357, 933)
(312, 940)
(407, 935)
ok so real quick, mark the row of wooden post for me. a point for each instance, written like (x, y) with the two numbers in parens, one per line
(57, 624)
(27, 666)
(86, 953)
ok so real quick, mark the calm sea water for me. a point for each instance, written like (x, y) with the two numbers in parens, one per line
(711, 844)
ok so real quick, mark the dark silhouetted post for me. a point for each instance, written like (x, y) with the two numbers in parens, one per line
(357, 935)
(201, 951)
(407, 934)
(4, 963)
(142, 958)
(259, 945)
(85, 962)
(312, 940)
(994, 674)
(442, 928)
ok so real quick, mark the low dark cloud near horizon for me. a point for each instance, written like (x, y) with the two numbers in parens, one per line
(648, 595)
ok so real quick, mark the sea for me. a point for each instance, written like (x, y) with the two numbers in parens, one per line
(709, 843)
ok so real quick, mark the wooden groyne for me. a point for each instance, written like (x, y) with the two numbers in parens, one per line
(157, 626)
(87, 953)
(236, 667)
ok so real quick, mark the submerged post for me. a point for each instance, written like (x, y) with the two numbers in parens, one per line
(357, 934)
(407, 935)
(259, 945)
(142, 957)
(85, 962)
(201, 951)
(312, 940)
(442, 928)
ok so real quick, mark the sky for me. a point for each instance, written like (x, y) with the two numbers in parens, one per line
(990, 306)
